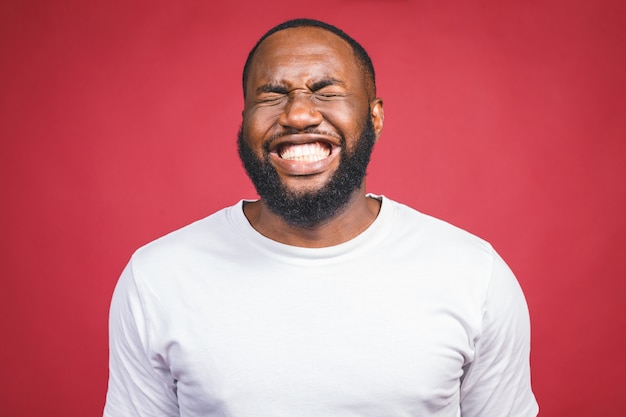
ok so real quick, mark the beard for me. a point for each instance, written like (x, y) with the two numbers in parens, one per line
(309, 209)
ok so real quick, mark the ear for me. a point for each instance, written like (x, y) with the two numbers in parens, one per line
(378, 115)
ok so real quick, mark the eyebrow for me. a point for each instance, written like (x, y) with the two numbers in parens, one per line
(318, 85)
(273, 87)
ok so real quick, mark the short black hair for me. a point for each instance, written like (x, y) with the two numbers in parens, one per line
(362, 58)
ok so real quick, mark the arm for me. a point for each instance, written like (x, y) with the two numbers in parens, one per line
(497, 382)
(135, 386)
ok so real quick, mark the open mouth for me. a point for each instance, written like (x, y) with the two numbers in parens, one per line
(306, 152)
(303, 155)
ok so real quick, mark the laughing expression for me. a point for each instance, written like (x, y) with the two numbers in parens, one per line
(306, 102)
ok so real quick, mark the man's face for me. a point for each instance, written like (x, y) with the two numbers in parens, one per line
(308, 124)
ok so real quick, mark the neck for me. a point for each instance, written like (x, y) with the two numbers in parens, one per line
(357, 216)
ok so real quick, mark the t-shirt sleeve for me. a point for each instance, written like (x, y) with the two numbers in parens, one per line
(497, 382)
(135, 387)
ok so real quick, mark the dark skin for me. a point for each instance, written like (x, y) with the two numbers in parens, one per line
(305, 81)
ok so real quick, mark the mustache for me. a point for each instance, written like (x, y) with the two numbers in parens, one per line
(309, 130)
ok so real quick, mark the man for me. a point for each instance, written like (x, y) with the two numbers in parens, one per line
(317, 299)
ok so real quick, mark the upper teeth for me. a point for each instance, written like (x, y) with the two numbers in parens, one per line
(309, 152)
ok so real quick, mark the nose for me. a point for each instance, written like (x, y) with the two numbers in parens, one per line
(300, 111)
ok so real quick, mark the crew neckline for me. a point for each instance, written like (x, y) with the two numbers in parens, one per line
(370, 237)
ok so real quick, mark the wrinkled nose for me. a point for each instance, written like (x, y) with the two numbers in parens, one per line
(300, 112)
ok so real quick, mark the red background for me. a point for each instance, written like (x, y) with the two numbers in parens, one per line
(118, 122)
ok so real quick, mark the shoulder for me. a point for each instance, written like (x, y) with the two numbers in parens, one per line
(455, 259)
(430, 231)
(190, 242)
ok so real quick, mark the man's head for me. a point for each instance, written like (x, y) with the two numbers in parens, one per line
(360, 54)
(310, 120)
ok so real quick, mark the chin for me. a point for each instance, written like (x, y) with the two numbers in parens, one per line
(311, 200)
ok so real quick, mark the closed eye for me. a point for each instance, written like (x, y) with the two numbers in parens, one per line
(328, 89)
(272, 98)
(326, 95)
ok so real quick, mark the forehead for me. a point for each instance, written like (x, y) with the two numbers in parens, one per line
(304, 51)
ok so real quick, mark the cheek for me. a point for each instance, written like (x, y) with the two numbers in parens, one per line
(258, 123)
(349, 119)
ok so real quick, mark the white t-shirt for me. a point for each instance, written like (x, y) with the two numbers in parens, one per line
(413, 317)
